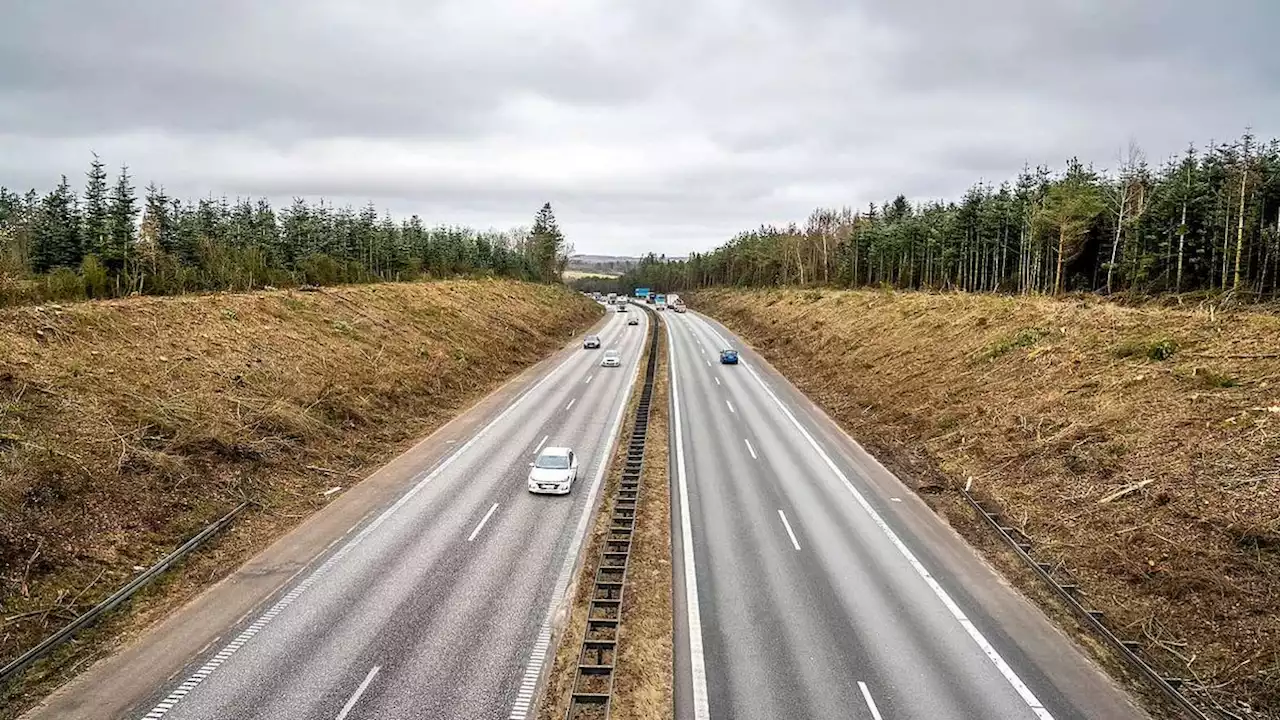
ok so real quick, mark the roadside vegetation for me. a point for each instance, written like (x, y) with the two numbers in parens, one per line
(126, 425)
(107, 242)
(1136, 446)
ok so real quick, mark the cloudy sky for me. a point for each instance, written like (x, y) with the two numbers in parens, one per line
(649, 125)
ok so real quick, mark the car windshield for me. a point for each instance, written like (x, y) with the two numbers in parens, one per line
(611, 353)
(553, 462)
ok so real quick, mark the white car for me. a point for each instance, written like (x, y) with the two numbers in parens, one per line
(612, 358)
(554, 471)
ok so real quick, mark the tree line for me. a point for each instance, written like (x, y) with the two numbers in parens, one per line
(107, 242)
(1205, 220)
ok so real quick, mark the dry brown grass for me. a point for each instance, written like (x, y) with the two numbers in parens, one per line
(1050, 406)
(127, 425)
(642, 686)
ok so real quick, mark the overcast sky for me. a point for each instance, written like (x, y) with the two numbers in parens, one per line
(662, 125)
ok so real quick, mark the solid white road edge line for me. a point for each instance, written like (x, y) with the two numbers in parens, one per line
(987, 648)
(230, 648)
(541, 443)
(542, 646)
(483, 520)
(866, 694)
(697, 663)
(346, 709)
(750, 449)
(795, 543)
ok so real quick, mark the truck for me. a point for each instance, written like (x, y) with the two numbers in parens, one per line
(675, 303)
(659, 302)
(613, 298)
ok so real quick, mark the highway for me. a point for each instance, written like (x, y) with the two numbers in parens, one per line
(441, 604)
(812, 584)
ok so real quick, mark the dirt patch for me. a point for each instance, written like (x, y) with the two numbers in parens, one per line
(643, 682)
(127, 425)
(1050, 406)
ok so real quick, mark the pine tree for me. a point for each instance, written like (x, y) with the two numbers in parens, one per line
(96, 225)
(548, 245)
(122, 215)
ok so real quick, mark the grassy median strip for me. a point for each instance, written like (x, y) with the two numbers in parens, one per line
(643, 678)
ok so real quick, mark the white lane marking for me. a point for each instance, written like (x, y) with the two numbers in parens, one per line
(571, 402)
(483, 520)
(542, 646)
(423, 479)
(726, 402)
(697, 663)
(787, 525)
(589, 379)
(750, 449)
(541, 443)
(346, 709)
(987, 648)
(701, 349)
(866, 694)
(717, 381)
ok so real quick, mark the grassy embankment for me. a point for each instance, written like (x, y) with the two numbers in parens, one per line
(643, 679)
(1053, 407)
(127, 425)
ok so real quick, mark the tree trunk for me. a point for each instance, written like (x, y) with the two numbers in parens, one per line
(1244, 176)
(1062, 246)
(1115, 245)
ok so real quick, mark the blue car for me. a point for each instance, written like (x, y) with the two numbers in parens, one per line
(728, 357)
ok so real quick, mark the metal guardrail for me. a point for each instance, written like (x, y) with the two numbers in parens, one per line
(1069, 593)
(592, 690)
(11, 671)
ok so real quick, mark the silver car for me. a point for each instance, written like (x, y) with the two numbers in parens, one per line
(612, 358)
(553, 471)
(591, 341)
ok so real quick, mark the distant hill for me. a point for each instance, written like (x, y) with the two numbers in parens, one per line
(611, 264)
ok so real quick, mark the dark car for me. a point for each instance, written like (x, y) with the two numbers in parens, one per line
(729, 357)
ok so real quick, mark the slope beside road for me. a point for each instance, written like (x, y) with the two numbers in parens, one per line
(816, 585)
(440, 605)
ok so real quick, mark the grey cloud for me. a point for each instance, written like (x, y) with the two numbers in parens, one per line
(794, 103)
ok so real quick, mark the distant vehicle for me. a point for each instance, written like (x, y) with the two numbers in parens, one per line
(678, 308)
(622, 307)
(642, 293)
(590, 341)
(554, 471)
(612, 358)
(660, 302)
(728, 357)
(633, 320)
(613, 298)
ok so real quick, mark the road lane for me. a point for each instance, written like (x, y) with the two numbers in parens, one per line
(449, 610)
(819, 632)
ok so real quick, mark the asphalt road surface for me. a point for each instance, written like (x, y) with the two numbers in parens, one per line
(439, 606)
(812, 584)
